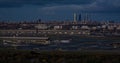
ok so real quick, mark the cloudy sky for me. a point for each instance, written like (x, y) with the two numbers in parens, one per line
(29, 10)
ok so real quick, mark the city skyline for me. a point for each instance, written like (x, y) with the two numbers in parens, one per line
(23, 10)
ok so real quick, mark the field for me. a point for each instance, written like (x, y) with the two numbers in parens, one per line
(8, 55)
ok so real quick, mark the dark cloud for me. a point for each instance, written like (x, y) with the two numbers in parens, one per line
(107, 6)
(56, 9)
(101, 6)
(98, 6)
(87, 5)
(18, 3)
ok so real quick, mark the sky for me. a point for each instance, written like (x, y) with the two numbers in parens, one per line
(59, 10)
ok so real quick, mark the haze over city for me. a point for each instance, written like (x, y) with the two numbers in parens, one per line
(59, 10)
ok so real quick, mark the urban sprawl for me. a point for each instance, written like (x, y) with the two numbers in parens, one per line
(77, 26)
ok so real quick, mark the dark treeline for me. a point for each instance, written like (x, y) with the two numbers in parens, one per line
(17, 56)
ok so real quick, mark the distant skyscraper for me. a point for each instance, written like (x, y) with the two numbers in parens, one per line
(86, 17)
(75, 17)
(80, 18)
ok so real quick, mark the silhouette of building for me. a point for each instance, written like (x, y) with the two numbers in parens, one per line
(80, 18)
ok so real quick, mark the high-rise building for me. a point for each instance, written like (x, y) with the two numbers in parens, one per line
(75, 17)
(80, 18)
(86, 17)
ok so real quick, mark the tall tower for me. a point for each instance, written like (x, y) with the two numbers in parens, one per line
(80, 18)
(86, 17)
(75, 17)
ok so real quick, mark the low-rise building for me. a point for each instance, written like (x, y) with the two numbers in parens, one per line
(41, 26)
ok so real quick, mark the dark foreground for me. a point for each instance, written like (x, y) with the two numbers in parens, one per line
(23, 56)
